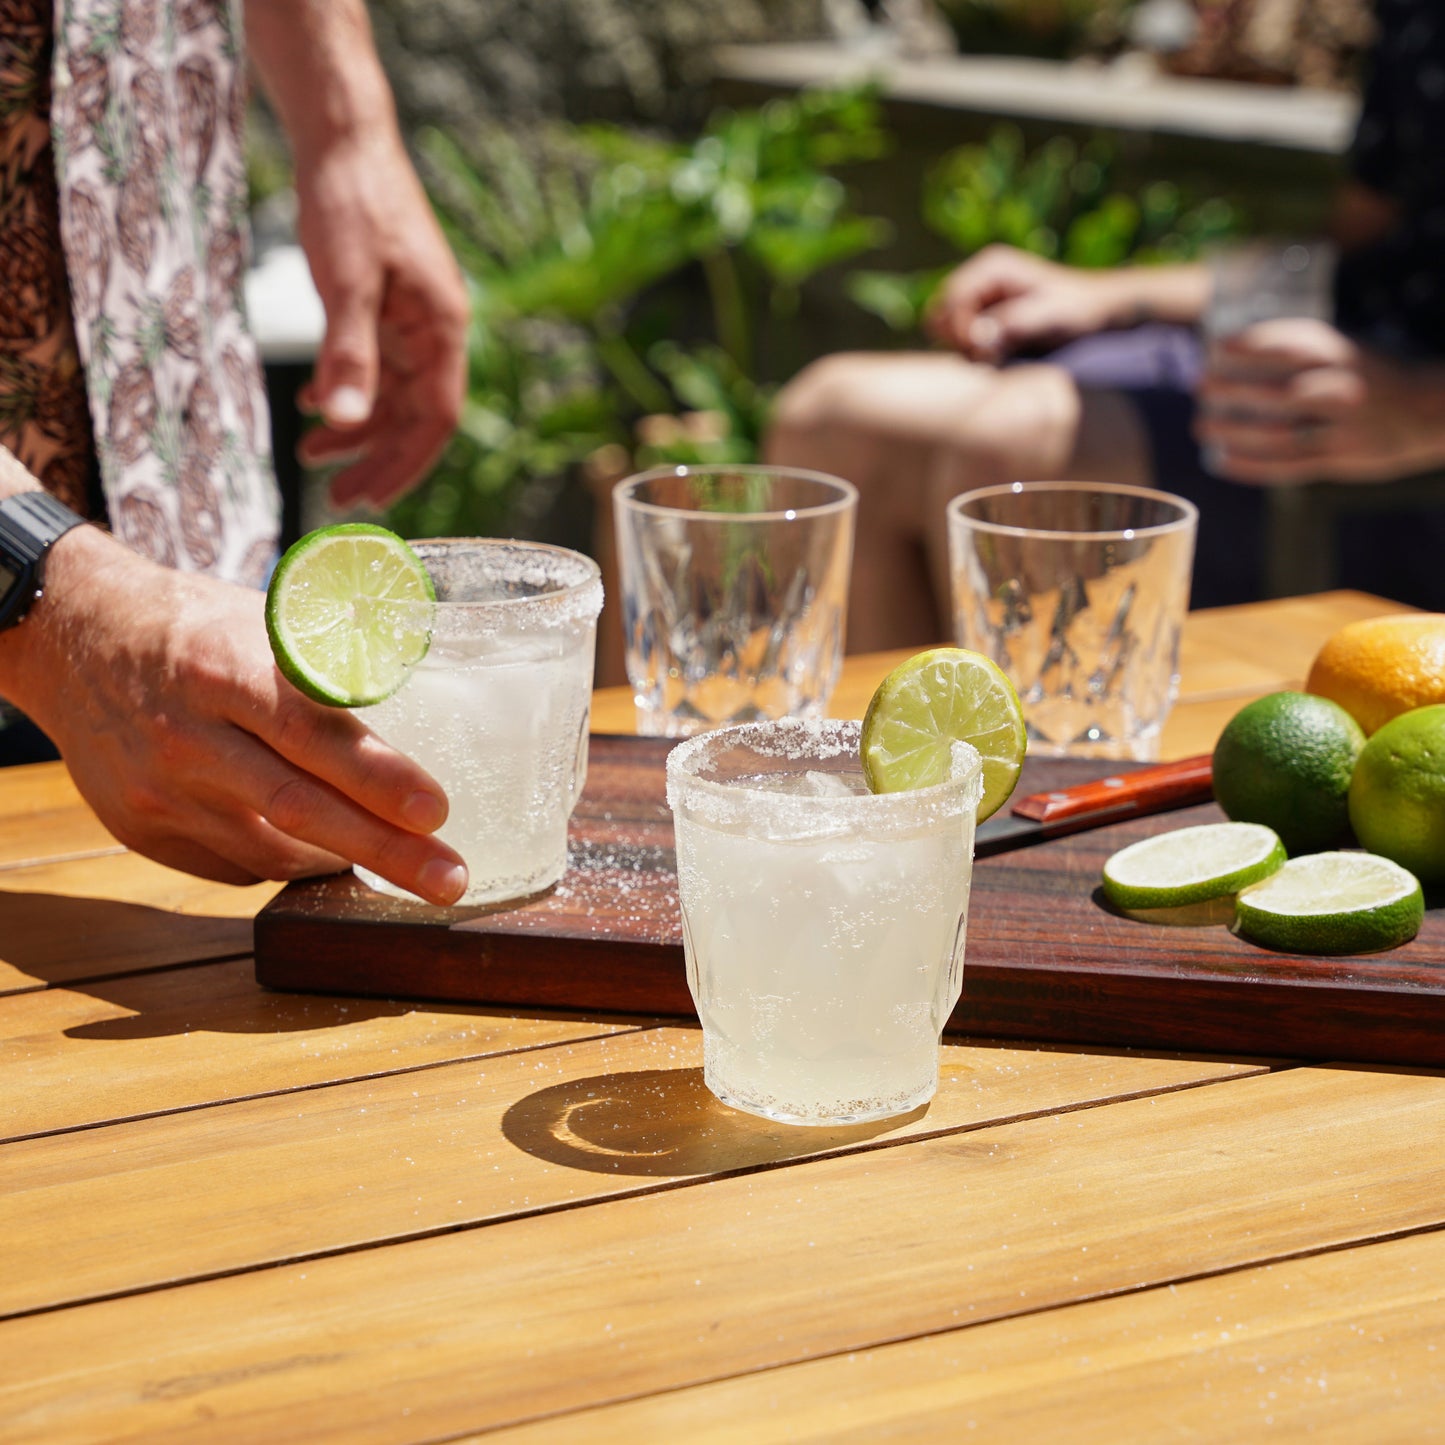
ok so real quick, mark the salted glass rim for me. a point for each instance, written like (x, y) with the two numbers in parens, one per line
(735, 802)
(574, 597)
(846, 499)
(1188, 513)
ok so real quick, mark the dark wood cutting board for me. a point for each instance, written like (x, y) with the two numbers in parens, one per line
(1046, 958)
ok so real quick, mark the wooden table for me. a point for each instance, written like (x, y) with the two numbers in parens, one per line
(229, 1215)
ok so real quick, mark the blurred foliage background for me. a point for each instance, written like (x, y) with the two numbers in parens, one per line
(631, 293)
(616, 277)
(651, 255)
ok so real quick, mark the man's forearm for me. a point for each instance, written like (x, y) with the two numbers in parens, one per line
(1177, 294)
(317, 62)
(29, 651)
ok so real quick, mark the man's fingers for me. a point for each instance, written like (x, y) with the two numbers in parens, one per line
(336, 747)
(300, 807)
(1290, 342)
(1264, 471)
(241, 848)
(392, 469)
(325, 445)
(1329, 388)
(413, 420)
(1314, 391)
(343, 389)
(1268, 437)
(1220, 396)
(308, 818)
(965, 298)
(1266, 452)
(1024, 322)
(294, 789)
(214, 839)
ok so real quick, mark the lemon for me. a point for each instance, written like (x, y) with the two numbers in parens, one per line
(1343, 902)
(1383, 666)
(1397, 797)
(929, 702)
(1191, 865)
(348, 613)
(1286, 761)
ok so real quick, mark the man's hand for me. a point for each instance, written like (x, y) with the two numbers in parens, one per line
(1294, 400)
(1003, 302)
(391, 374)
(160, 691)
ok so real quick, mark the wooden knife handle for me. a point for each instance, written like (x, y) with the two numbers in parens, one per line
(1154, 789)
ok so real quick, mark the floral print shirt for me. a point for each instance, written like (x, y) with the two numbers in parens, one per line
(128, 380)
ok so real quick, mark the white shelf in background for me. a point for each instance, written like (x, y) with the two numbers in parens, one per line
(1130, 94)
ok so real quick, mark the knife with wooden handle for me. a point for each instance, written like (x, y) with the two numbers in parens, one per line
(1154, 789)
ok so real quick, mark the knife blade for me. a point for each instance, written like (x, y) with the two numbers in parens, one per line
(1040, 816)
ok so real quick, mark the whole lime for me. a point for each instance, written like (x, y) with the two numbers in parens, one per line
(1397, 798)
(1285, 761)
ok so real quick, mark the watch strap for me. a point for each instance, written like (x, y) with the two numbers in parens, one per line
(30, 524)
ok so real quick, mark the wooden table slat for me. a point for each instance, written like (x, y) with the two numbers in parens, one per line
(66, 922)
(1333, 1348)
(485, 1139)
(159, 1042)
(563, 1310)
(39, 789)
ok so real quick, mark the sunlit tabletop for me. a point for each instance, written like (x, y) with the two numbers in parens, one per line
(233, 1215)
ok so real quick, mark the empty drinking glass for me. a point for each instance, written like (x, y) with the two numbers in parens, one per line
(734, 592)
(1078, 591)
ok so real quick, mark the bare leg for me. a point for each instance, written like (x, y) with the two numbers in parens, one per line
(911, 430)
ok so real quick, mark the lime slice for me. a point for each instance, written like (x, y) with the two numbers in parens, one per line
(928, 703)
(343, 617)
(1191, 865)
(1333, 903)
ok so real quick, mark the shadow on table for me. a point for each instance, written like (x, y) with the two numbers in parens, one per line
(56, 937)
(665, 1122)
(172, 973)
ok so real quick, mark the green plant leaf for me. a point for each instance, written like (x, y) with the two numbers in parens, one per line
(899, 298)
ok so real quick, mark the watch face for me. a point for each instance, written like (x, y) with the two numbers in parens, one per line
(7, 579)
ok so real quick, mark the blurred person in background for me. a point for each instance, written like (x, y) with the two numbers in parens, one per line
(131, 396)
(1049, 372)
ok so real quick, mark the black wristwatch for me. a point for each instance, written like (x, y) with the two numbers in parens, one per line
(30, 524)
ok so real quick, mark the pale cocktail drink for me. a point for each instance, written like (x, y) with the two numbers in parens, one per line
(823, 924)
(497, 709)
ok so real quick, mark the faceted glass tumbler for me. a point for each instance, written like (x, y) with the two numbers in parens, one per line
(734, 592)
(1079, 592)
